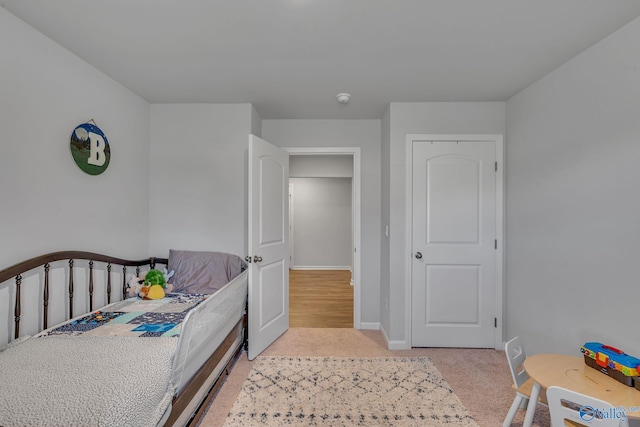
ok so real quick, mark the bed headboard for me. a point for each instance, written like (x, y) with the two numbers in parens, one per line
(86, 276)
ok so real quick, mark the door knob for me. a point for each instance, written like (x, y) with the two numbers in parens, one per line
(248, 259)
(418, 255)
(257, 258)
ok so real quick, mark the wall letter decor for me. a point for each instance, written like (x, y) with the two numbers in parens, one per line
(90, 148)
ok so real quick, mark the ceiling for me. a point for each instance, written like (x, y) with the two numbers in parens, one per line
(290, 58)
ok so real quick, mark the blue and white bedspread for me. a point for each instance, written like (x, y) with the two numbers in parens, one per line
(109, 368)
(133, 317)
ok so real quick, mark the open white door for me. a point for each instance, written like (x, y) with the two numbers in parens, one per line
(268, 258)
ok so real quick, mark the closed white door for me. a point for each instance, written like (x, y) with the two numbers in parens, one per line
(268, 244)
(454, 244)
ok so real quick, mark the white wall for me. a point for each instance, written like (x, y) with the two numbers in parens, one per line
(321, 207)
(385, 209)
(198, 175)
(573, 210)
(321, 166)
(347, 133)
(48, 203)
(321, 222)
(411, 118)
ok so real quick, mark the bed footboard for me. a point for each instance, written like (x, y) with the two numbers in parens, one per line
(87, 276)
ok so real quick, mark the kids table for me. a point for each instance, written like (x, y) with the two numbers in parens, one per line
(572, 373)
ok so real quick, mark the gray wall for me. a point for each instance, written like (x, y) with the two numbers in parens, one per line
(199, 172)
(385, 256)
(347, 133)
(48, 203)
(573, 210)
(321, 222)
(321, 166)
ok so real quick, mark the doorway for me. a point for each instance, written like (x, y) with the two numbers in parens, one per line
(347, 266)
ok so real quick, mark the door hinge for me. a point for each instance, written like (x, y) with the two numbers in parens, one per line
(496, 166)
(495, 244)
(495, 322)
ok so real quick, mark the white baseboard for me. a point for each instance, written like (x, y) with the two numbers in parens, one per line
(398, 345)
(394, 345)
(320, 267)
(374, 326)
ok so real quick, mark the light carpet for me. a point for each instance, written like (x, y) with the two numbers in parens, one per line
(346, 391)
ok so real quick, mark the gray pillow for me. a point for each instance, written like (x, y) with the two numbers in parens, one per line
(199, 272)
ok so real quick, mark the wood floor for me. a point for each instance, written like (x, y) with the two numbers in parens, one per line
(320, 299)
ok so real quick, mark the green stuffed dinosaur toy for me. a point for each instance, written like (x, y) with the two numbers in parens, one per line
(154, 285)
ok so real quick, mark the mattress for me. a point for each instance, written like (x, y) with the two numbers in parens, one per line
(86, 381)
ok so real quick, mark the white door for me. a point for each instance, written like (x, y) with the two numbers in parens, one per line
(268, 258)
(454, 241)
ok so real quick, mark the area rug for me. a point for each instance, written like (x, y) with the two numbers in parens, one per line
(341, 391)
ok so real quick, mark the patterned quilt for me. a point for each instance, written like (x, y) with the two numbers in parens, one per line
(133, 317)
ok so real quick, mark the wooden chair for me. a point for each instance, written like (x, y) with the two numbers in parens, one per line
(570, 408)
(522, 384)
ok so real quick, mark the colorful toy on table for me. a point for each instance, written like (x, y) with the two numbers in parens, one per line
(611, 361)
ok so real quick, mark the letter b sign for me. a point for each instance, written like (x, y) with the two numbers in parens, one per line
(90, 148)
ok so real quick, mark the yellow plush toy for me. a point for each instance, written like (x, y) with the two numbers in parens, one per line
(154, 285)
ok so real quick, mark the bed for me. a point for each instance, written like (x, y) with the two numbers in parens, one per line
(76, 349)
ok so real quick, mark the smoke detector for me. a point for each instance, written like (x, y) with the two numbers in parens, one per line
(343, 98)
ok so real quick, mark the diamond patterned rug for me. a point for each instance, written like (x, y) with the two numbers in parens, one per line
(340, 391)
